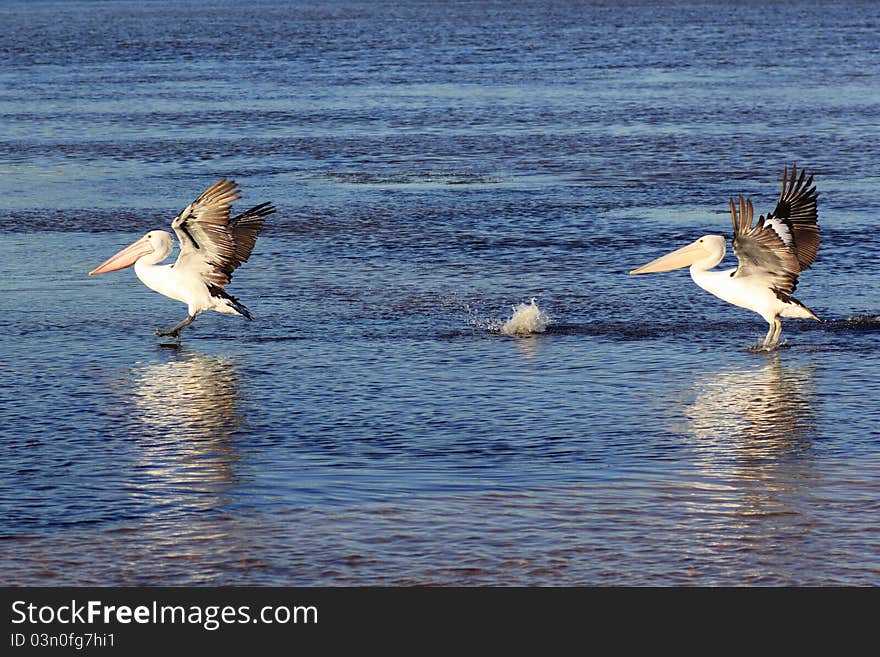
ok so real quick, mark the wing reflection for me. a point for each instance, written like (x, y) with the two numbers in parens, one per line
(186, 409)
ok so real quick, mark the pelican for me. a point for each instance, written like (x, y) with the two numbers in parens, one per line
(771, 255)
(212, 246)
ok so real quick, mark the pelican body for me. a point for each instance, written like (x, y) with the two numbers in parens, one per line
(212, 246)
(771, 255)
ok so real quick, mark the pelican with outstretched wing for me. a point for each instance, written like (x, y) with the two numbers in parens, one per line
(771, 254)
(212, 246)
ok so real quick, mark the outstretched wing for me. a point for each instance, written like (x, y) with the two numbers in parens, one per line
(761, 251)
(212, 244)
(781, 246)
(796, 211)
(245, 229)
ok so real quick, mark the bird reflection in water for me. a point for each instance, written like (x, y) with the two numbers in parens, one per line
(768, 408)
(754, 428)
(764, 408)
(187, 412)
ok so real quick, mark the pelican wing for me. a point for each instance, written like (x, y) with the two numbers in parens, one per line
(796, 213)
(245, 229)
(211, 243)
(762, 251)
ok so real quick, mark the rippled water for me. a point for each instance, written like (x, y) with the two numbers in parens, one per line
(436, 166)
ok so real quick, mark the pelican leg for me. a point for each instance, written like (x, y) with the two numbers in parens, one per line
(773, 334)
(778, 332)
(769, 336)
(174, 331)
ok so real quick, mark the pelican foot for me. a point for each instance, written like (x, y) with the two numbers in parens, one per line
(174, 331)
(169, 333)
(762, 348)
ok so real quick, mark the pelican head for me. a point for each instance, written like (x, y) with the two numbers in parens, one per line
(706, 252)
(154, 246)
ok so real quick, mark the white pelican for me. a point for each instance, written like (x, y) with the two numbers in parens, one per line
(771, 255)
(212, 246)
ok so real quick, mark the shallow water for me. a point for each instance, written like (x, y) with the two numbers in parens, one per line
(436, 167)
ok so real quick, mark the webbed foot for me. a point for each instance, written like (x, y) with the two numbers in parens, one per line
(174, 331)
(762, 348)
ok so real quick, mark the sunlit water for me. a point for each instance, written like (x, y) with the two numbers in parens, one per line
(450, 379)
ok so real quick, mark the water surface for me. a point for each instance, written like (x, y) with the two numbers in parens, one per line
(435, 165)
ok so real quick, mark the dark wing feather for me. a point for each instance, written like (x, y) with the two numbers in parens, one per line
(797, 210)
(246, 227)
(210, 242)
(761, 250)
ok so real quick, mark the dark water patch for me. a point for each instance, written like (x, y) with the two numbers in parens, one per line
(853, 323)
(409, 178)
(662, 328)
(85, 220)
(275, 338)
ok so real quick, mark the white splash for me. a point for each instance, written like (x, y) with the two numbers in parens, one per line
(527, 319)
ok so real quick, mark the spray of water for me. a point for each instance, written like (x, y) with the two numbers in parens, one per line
(527, 319)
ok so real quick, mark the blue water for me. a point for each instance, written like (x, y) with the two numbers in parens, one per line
(434, 165)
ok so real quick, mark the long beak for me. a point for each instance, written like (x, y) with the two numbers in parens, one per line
(125, 258)
(683, 257)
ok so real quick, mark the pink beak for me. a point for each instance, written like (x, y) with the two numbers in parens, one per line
(125, 258)
(683, 257)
